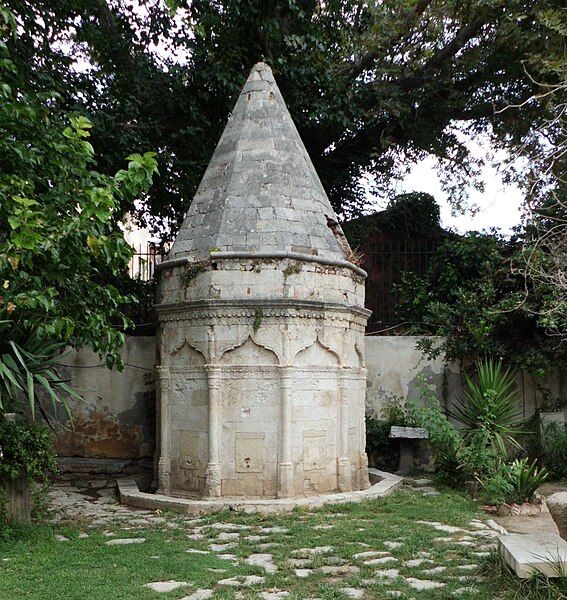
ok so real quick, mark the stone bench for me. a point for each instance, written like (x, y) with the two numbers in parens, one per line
(409, 437)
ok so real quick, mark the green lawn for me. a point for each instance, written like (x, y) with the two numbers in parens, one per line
(33, 564)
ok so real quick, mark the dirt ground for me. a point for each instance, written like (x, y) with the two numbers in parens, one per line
(540, 523)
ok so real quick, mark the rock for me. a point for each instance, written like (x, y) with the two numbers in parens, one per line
(423, 584)
(230, 526)
(494, 525)
(227, 557)
(416, 562)
(274, 530)
(165, 586)
(351, 592)
(393, 545)
(379, 561)
(61, 538)
(434, 571)
(125, 541)
(370, 554)
(221, 547)
(317, 550)
(299, 562)
(465, 590)
(422, 482)
(227, 537)
(199, 595)
(242, 581)
(302, 573)
(339, 570)
(387, 573)
(557, 504)
(471, 567)
(264, 561)
(410, 433)
(195, 551)
(273, 595)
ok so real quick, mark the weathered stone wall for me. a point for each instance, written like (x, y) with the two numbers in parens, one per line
(116, 419)
(396, 368)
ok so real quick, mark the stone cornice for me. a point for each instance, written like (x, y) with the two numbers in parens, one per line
(248, 307)
(345, 264)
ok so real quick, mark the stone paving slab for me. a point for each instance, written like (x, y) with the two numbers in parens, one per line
(526, 554)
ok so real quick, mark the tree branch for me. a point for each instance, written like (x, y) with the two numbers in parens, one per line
(366, 60)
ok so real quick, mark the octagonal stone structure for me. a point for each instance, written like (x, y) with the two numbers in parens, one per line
(261, 377)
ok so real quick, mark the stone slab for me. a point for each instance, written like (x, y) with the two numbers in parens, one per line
(526, 554)
(410, 433)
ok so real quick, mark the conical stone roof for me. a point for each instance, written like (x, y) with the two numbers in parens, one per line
(260, 193)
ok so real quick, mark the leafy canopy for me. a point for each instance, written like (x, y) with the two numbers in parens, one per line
(58, 234)
(370, 85)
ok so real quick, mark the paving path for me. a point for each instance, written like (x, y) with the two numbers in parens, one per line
(274, 562)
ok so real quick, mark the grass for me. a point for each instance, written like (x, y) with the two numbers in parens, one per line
(41, 567)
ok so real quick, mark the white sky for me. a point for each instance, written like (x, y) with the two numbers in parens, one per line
(498, 206)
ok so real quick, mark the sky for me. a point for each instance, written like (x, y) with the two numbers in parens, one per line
(498, 206)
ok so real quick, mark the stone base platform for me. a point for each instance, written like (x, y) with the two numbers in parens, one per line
(382, 484)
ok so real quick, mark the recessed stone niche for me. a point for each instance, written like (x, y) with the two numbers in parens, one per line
(261, 324)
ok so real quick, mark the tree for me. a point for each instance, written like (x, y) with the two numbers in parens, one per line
(370, 85)
(471, 296)
(58, 236)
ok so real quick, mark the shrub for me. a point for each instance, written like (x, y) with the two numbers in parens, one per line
(525, 478)
(554, 449)
(443, 435)
(491, 405)
(497, 488)
(383, 452)
(26, 448)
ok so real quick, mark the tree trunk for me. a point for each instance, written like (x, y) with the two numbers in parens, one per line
(18, 509)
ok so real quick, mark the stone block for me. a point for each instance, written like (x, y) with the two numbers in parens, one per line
(557, 505)
(540, 553)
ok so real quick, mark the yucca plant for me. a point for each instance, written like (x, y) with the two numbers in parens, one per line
(525, 478)
(491, 405)
(29, 364)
